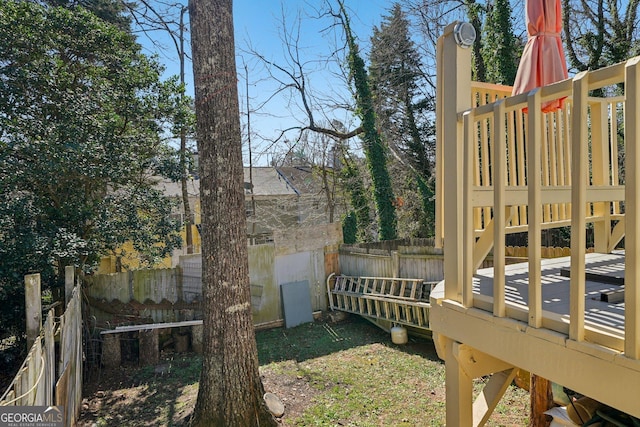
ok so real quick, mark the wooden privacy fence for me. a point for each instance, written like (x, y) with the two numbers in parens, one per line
(419, 259)
(173, 295)
(39, 382)
(33, 384)
(402, 258)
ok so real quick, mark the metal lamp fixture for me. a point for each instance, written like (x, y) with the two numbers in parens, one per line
(464, 34)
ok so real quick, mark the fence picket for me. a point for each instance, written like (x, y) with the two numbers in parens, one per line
(35, 381)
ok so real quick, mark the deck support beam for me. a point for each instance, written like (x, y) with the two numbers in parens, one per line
(464, 363)
(459, 386)
(491, 394)
(531, 349)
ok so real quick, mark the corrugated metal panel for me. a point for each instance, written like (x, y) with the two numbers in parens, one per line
(265, 296)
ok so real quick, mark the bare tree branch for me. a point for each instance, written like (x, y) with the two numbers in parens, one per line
(292, 74)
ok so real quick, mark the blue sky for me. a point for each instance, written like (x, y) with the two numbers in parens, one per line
(258, 25)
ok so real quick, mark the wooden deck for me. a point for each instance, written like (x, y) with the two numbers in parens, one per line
(601, 316)
(504, 166)
(476, 343)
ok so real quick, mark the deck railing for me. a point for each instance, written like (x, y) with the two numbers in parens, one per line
(554, 170)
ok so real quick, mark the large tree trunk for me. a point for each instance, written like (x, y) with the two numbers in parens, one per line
(231, 392)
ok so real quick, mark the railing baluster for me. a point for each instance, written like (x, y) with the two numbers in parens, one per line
(521, 125)
(499, 214)
(544, 152)
(613, 146)
(473, 143)
(485, 161)
(534, 143)
(600, 172)
(554, 140)
(512, 178)
(579, 144)
(563, 156)
(468, 238)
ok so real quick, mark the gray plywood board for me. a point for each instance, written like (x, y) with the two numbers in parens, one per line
(296, 303)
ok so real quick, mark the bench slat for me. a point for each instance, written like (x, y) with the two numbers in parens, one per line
(149, 326)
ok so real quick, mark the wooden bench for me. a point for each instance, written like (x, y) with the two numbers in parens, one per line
(149, 351)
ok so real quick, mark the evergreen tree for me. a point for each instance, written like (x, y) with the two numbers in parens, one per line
(112, 11)
(396, 78)
(474, 14)
(81, 113)
(360, 215)
(500, 49)
(373, 148)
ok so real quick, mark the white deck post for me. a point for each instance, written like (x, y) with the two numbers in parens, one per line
(454, 96)
(459, 389)
(632, 211)
(467, 264)
(439, 226)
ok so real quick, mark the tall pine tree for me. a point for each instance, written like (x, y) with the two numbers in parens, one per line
(396, 79)
(375, 154)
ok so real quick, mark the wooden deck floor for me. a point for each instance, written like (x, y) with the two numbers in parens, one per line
(596, 366)
(605, 275)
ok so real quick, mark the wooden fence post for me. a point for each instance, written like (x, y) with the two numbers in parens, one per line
(69, 281)
(33, 307)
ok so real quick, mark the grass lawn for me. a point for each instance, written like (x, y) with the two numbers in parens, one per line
(345, 374)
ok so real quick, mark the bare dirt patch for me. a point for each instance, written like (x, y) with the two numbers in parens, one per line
(295, 392)
(325, 374)
(129, 396)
